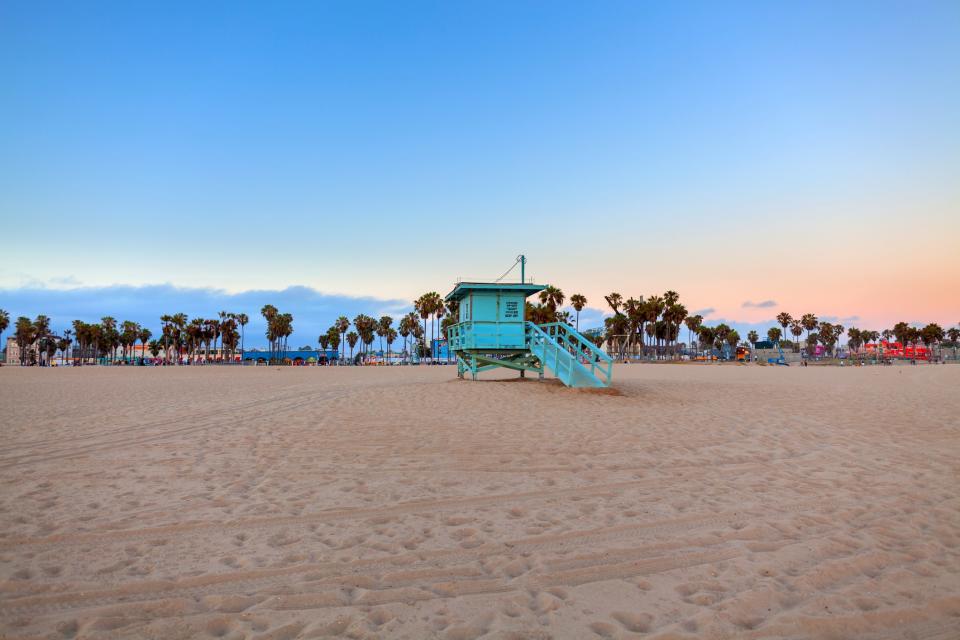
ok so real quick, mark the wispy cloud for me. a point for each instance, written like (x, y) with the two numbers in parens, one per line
(704, 312)
(765, 304)
(313, 311)
(840, 319)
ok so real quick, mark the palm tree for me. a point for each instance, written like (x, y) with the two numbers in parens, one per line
(4, 323)
(391, 337)
(784, 319)
(796, 328)
(552, 297)
(242, 319)
(333, 335)
(144, 335)
(342, 324)
(179, 324)
(41, 331)
(422, 307)
(324, 341)
(439, 310)
(633, 309)
(753, 337)
(24, 334)
(578, 302)
(853, 339)
(655, 306)
(953, 334)
(932, 334)
(68, 336)
(732, 339)
(352, 338)
(269, 313)
(809, 322)
(674, 316)
(614, 300)
(706, 335)
(773, 334)
(383, 328)
(693, 326)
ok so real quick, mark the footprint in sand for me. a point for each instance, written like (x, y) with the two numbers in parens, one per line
(603, 629)
(68, 628)
(636, 622)
(219, 627)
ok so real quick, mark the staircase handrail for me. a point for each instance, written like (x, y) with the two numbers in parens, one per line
(605, 372)
(572, 335)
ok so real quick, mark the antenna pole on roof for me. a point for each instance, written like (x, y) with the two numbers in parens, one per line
(523, 264)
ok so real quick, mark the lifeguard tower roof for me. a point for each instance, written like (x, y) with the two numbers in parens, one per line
(464, 289)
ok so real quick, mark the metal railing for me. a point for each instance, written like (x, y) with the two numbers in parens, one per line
(580, 350)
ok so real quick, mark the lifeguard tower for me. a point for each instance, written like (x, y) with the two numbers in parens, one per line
(493, 332)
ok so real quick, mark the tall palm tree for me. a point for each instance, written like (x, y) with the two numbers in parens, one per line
(41, 331)
(578, 301)
(674, 315)
(352, 338)
(753, 337)
(179, 323)
(784, 319)
(633, 310)
(383, 328)
(655, 306)
(24, 331)
(693, 326)
(796, 328)
(242, 319)
(391, 337)
(333, 335)
(809, 322)
(68, 336)
(342, 324)
(144, 336)
(165, 329)
(422, 307)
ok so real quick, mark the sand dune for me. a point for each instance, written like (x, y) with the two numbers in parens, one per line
(691, 502)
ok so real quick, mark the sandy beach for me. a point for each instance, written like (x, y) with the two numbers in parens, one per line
(688, 502)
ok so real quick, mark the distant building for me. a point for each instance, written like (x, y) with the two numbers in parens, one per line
(13, 352)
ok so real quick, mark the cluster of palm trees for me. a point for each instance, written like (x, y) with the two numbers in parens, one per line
(828, 334)
(85, 341)
(35, 341)
(367, 329)
(637, 325)
(183, 337)
(932, 335)
(95, 340)
(637, 320)
(279, 330)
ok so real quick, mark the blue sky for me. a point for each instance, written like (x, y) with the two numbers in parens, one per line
(730, 151)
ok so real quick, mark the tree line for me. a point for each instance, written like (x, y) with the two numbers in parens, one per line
(85, 341)
(637, 325)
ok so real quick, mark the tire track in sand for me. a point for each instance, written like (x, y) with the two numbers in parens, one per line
(356, 574)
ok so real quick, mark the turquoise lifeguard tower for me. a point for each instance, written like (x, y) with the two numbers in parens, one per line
(493, 332)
